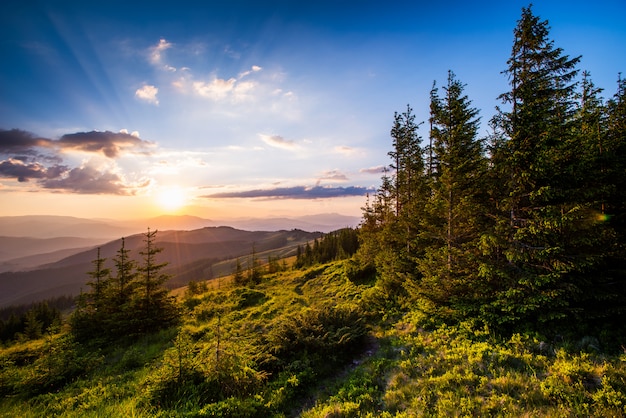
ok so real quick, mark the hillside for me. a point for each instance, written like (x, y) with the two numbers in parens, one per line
(23, 253)
(190, 255)
(310, 343)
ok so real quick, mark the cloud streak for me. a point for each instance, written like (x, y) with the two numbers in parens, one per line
(278, 141)
(379, 169)
(296, 192)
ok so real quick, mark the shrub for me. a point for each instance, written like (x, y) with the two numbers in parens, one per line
(200, 373)
(327, 335)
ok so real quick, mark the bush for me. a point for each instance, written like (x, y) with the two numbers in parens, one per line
(358, 272)
(200, 373)
(328, 336)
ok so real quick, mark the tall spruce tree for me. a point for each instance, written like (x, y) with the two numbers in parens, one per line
(546, 241)
(92, 307)
(156, 309)
(124, 281)
(614, 159)
(398, 206)
(613, 214)
(454, 212)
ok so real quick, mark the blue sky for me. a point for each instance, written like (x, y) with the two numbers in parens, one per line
(245, 108)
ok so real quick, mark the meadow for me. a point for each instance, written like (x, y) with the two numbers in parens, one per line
(309, 342)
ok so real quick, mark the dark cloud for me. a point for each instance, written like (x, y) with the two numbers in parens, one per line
(32, 157)
(88, 180)
(22, 171)
(297, 192)
(108, 143)
(111, 144)
(17, 141)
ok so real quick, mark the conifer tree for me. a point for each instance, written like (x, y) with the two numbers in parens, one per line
(238, 277)
(94, 307)
(615, 160)
(454, 213)
(254, 269)
(99, 281)
(156, 307)
(541, 230)
(126, 273)
(130, 302)
(610, 291)
(390, 237)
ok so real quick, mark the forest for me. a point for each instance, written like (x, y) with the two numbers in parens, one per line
(487, 278)
(523, 229)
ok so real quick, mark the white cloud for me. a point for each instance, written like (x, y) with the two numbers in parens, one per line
(148, 93)
(278, 141)
(156, 51)
(253, 69)
(345, 150)
(216, 89)
(133, 133)
(235, 88)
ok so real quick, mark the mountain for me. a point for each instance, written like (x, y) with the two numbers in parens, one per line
(28, 242)
(166, 222)
(15, 247)
(190, 254)
(44, 226)
(322, 223)
(33, 261)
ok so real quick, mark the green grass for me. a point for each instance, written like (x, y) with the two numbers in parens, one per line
(309, 343)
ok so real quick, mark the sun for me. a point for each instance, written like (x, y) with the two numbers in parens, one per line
(171, 199)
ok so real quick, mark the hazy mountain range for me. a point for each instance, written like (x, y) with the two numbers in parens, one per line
(199, 254)
(66, 226)
(48, 256)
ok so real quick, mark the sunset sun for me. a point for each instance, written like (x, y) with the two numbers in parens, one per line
(171, 199)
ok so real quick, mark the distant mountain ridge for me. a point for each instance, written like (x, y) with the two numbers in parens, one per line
(190, 254)
(44, 226)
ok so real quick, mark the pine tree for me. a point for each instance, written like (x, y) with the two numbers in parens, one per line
(133, 301)
(99, 281)
(238, 277)
(454, 213)
(614, 159)
(390, 238)
(93, 308)
(610, 288)
(254, 269)
(156, 309)
(542, 230)
(124, 282)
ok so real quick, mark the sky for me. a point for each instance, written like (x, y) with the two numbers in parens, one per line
(226, 109)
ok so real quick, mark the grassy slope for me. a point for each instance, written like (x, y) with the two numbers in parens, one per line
(227, 337)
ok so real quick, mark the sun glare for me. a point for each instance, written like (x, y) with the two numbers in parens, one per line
(171, 199)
